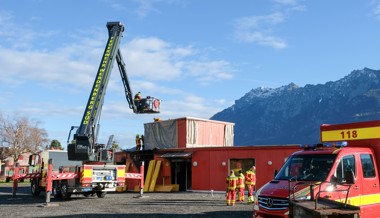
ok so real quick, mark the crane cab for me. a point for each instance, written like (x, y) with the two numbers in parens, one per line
(148, 105)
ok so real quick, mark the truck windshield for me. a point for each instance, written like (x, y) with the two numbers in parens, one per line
(310, 167)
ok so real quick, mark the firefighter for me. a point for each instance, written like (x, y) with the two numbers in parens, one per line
(142, 142)
(138, 142)
(138, 101)
(231, 191)
(240, 186)
(138, 96)
(250, 181)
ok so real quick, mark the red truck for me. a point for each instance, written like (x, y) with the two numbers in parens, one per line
(344, 167)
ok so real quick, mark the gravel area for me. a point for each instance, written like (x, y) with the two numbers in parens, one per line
(127, 204)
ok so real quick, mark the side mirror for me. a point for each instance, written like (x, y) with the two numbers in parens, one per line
(275, 172)
(333, 180)
(350, 177)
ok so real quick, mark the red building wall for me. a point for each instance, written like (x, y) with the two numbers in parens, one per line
(210, 174)
(208, 171)
(181, 125)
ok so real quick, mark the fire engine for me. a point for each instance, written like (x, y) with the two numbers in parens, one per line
(344, 167)
(89, 167)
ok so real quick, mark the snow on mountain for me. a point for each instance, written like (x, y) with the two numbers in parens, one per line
(292, 115)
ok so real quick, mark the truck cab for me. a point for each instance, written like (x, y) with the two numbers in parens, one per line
(346, 172)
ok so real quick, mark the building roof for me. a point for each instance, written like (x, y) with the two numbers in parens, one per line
(199, 119)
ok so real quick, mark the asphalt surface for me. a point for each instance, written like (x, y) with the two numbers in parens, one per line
(127, 204)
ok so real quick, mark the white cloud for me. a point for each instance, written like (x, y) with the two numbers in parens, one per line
(261, 29)
(75, 62)
(181, 105)
(209, 71)
(115, 5)
(20, 35)
(42, 67)
(262, 39)
(257, 29)
(286, 2)
(254, 22)
(220, 101)
(154, 58)
(376, 11)
(5, 18)
(145, 7)
(188, 106)
(290, 5)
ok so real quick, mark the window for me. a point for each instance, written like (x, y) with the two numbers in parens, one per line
(367, 166)
(307, 167)
(347, 163)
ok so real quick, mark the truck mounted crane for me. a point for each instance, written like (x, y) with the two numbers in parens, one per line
(84, 146)
(88, 167)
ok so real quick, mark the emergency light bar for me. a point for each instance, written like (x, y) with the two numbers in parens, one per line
(336, 144)
(309, 146)
(325, 144)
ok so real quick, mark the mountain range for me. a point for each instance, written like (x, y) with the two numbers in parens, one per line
(292, 115)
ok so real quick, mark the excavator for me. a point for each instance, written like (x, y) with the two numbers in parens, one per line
(84, 146)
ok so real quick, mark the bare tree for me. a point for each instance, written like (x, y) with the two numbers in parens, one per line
(21, 136)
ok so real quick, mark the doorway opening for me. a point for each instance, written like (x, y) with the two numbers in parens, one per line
(181, 173)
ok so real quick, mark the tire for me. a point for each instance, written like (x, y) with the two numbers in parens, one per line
(86, 194)
(35, 188)
(66, 195)
(56, 190)
(101, 194)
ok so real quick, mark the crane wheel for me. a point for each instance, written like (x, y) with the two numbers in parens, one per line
(66, 195)
(35, 188)
(56, 190)
(101, 194)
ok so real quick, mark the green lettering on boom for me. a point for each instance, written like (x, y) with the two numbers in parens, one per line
(98, 81)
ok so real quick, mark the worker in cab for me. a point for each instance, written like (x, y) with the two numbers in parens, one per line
(138, 142)
(240, 186)
(231, 190)
(250, 181)
(137, 101)
(138, 96)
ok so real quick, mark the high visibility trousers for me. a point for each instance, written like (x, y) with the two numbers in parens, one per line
(241, 194)
(231, 195)
(250, 193)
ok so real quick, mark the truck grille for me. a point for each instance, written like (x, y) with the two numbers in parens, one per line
(270, 203)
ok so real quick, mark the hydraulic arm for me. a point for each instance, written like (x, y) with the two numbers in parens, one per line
(84, 145)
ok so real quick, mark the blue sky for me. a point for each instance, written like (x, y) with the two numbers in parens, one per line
(197, 56)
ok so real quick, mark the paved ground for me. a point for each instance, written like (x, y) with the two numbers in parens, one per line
(151, 205)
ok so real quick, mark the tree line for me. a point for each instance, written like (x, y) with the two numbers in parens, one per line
(20, 135)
